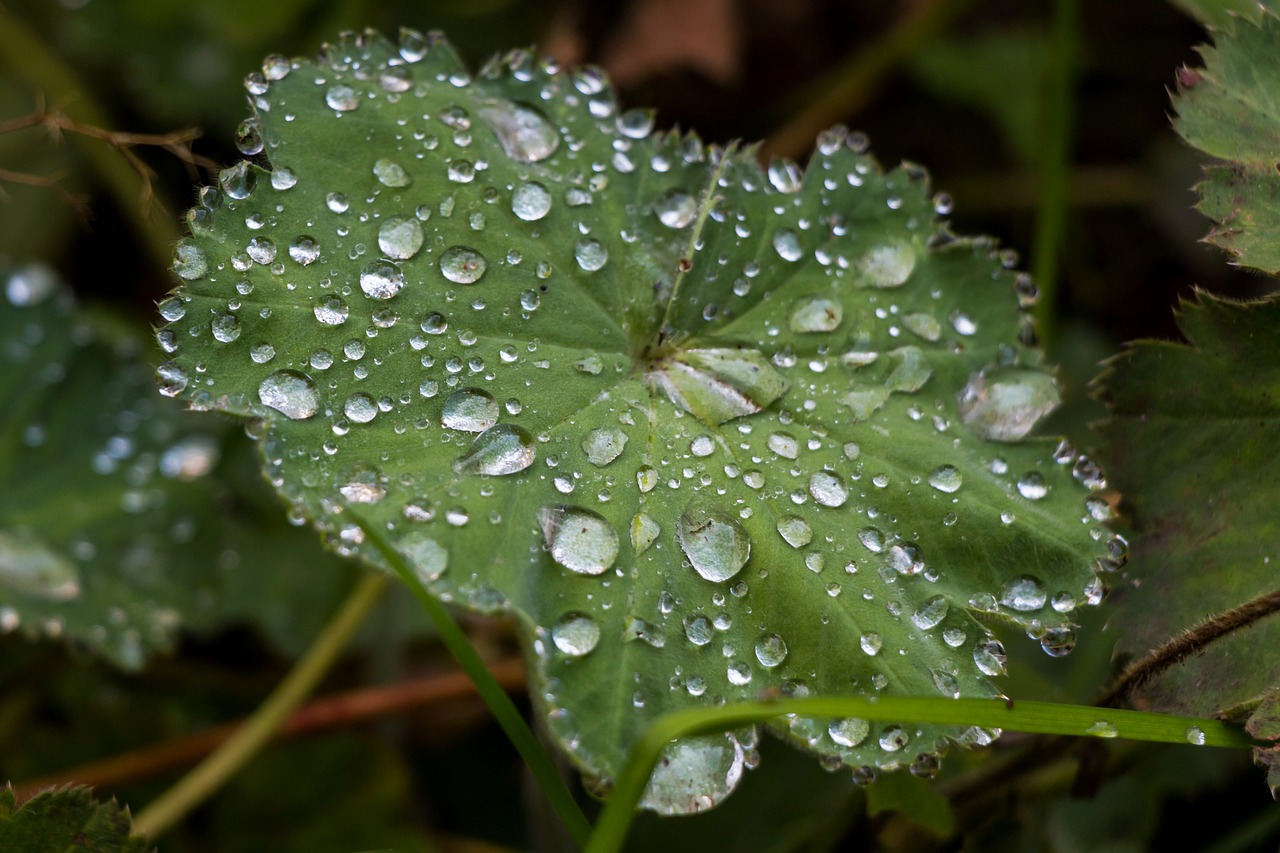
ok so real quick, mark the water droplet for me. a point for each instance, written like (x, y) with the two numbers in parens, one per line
(337, 202)
(578, 539)
(1032, 486)
(29, 567)
(575, 633)
(590, 254)
(816, 314)
(304, 250)
(531, 201)
(331, 310)
(428, 557)
(946, 478)
(462, 265)
(171, 379)
(469, 410)
(924, 325)
(702, 445)
(989, 656)
(500, 450)
(715, 543)
(189, 260)
(360, 408)
(1023, 593)
(400, 237)
(785, 176)
(381, 280)
(871, 539)
(644, 530)
(787, 245)
(1195, 735)
(695, 774)
(871, 643)
(888, 265)
(391, 174)
(1058, 641)
(828, 489)
(33, 283)
(931, 613)
(636, 124)
(342, 98)
(893, 739)
(1103, 728)
(1006, 404)
(771, 650)
(290, 393)
(784, 445)
(849, 731)
(225, 327)
(364, 485)
(238, 181)
(904, 558)
(676, 208)
(796, 531)
(911, 370)
(604, 444)
(526, 135)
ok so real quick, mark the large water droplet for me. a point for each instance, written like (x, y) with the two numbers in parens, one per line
(676, 208)
(1032, 486)
(428, 557)
(771, 650)
(785, 175)
(828, 489)
(590, 254)
(238, 181)
(575, 633)
(644, 530)
(360, 408)
(189, 260)
(715, 543)
(381, 280)
(525, 134)
(989, 656)
(946, 478)
(578, 539)
(695, 774)
(931, 613)
(225, 327)
(787, 245)
(29, 567)
(816, 314)
(1005, 404)
(531, 201)
(342, 98)
(604, 444)
(290, 393)
(888, 265)
(911, 370)
(469, 410)
(391, 174)
(849, 731)
(363, 484)
(462, 265)
(331, 310)
(400, 237)
(1023, 593)
(796, 531)
(500, 450)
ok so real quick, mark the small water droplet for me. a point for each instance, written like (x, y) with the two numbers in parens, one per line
(428, 557)
(887, 266)
(787, 245)
(391, 174)
(931, 613)
(946, 478)
(849, 731)
(1023, 593)
(342, 98)
(715, 543)
(188, 260)
(604, 444)
(381, 280)
(590, 254)
(785, 175)
(469, 410)
(676, 208)
(771, 650)
(1032, 486)
(360, 408)
(796, 531)
(1103, 728)
(331, 310)
(1195, 735)
(400, 238)
(816, 314)
(828, 489)
(644, 530)
(989, 657)
(531, 201)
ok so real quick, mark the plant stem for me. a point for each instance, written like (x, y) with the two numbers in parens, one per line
(27, 56)
(1056, 163)
(500, 705)
(1187, 644)
(848, 88)
(335, 711)
(198, 785)
(1036, 717)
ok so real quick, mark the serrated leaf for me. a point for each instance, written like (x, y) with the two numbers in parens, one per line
(708, 432)
(1193, 430)
(1228, 109)
(115, 529)
(1220, 13)
(67, 819)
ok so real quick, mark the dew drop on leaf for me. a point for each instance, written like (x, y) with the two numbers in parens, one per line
(931, 613)
(575, 633)
(828, 489)
(715, 543)
(342, 98)
(526, 135)
(189, 260)
(400, 238)
(390, 173)
(787, 245)
(771, 651)
(603, 445)
(887, 266)
(428, 557)
(462, 265)
(381, 280)
(849, 731)
(695, 774)
(500, 450)
(590, 254)
(1006, 404)
(816, 314)
(331, 310)
(946, 478)
(578, 539)
(1023, 593)
(796, 531)
(676, 208)
(290, 393)
(531, 201)
(469, 410)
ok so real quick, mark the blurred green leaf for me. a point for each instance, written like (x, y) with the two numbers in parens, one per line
(116, 529)
(1228, 109)
(1190, 441)
(705, 430)
(63, 821)
(1220, 13)
(916, 799)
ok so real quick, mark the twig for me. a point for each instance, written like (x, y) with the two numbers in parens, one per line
(337, 711)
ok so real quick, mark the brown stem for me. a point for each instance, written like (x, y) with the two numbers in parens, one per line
(330, 712)
(1187, 644)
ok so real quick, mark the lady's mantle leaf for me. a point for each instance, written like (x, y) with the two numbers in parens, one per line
(1191, 444)
(709, 432)
(66, 819)
(116, 526)
(1230, 109)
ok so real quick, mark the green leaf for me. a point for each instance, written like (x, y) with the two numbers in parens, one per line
(1192, 428)
(915, 798)
(63, 821)
(1220, 13)
(1228, 109)
(707, 431)
(117, 527)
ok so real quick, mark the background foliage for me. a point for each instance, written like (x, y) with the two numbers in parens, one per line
(741, 71)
